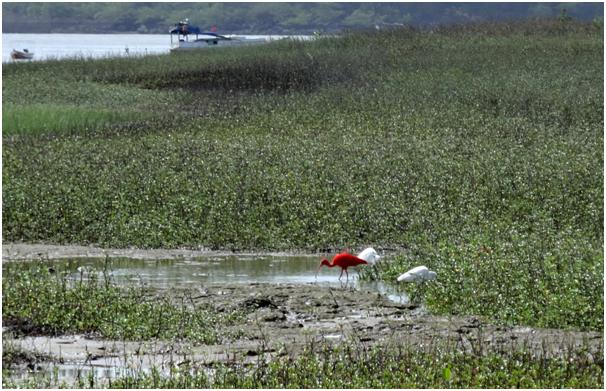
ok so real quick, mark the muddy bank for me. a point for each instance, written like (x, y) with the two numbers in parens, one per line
(25, 251)
(37, 251)
(282, 319)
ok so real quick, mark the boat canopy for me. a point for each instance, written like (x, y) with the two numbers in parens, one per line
(184, 29)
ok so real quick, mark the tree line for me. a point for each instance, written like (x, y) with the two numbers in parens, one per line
(270, 18)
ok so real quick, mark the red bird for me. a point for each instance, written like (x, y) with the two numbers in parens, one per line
(343, 260)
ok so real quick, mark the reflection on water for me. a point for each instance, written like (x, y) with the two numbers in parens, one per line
(72, 374)
(79, 375)
(230, 269)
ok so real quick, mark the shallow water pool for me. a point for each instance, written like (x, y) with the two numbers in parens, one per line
(197, 272)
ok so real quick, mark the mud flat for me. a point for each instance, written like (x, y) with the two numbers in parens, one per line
(282, 319)
(39, 251)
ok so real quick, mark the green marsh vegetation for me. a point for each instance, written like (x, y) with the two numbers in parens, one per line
(477, 149)
(354, 365)
(37, 301)
(363, 367)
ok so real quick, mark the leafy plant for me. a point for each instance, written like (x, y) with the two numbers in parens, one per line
(36, 301)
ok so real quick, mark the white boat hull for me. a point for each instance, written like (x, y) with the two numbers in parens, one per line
(205, 44)
(19, 55)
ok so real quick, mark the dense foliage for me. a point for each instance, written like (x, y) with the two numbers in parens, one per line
(274, 18)
(478, 149)
(360, 367)
(38, 301)
(353, 365)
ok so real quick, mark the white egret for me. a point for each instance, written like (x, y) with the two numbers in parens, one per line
(419, 273)
(370, 256)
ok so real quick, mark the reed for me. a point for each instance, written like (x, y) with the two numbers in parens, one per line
(392, 367)
(357, 366)
(54, 119)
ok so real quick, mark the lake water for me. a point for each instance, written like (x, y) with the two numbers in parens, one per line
(53, 46)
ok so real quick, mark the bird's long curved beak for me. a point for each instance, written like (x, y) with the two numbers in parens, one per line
(319, 267)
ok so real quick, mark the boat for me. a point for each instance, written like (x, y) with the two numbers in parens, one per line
(21, 55)
(184, 33)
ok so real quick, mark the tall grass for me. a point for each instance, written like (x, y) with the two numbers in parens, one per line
(353, 365)
(55, 119)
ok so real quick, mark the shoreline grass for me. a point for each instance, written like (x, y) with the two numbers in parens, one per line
(357, 366)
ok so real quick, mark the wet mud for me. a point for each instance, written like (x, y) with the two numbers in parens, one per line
(283, 319)
(25, 251)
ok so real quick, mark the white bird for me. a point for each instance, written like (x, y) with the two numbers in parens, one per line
(370, 256)
(84, 269)
(419, 273)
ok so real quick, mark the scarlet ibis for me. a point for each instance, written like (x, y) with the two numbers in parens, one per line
(419, 273)
(343, 260)
(370, 256)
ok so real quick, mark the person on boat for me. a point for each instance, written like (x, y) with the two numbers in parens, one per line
(184, 26)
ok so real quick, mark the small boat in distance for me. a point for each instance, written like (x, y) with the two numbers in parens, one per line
(21, 55)
(204, 39)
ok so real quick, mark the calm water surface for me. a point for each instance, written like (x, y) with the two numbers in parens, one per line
(229, 270)
(54, 46)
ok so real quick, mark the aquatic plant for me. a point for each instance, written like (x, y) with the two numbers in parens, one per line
(355, 366)
(36, 300)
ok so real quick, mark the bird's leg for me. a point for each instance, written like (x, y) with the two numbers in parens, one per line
(358, 273)
(341, 275)
(376, 270)
(347, 274)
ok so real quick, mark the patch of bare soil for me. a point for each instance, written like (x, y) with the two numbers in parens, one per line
(40, 251)
(294, 314)
(283, 319)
